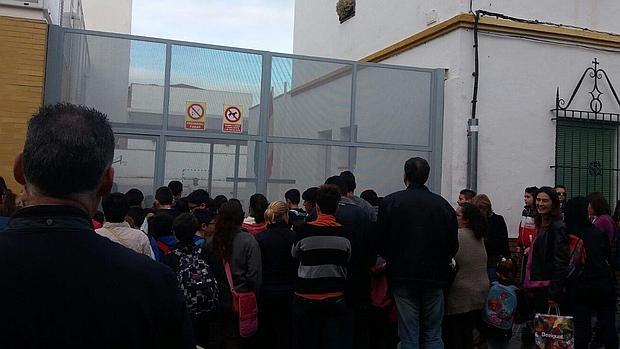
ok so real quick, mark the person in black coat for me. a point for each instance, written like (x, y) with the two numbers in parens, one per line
(418, 237)
(356, 222)
(591, 286)
(549, 252)
(279, 274)
(63, 285)
(496, 241)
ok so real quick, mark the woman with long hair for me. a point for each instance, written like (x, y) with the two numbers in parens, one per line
(234, 246)
(279, 274)
(255, 222)
(600, 215)
(496, 241)
(549, 255)
(591, 288)
(467, 295)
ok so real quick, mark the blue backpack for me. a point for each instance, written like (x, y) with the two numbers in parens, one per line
(500, 306)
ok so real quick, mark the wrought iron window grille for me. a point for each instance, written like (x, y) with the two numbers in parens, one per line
(594, 112)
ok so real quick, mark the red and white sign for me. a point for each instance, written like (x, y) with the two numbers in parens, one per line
(195, 118)
(232, 122)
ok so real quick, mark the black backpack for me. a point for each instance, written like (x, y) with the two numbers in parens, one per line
(197, 282)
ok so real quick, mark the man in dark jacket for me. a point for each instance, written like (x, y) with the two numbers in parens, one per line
(417, 235)
(65, 286)
(356, 223)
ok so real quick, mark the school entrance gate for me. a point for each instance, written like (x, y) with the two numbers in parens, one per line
(236, 121)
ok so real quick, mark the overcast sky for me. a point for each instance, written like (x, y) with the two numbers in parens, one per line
(258, 24)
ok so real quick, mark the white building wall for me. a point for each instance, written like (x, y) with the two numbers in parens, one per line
(378, 24)
(518, 81)
(375, 24)
(108, 15)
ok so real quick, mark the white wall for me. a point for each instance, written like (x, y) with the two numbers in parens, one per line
(22, 12)
(518, 80)
(108, 15)
(378, 24)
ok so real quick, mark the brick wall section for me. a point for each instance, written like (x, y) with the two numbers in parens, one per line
(22, 74)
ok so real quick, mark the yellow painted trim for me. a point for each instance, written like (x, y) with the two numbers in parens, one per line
(494, 25)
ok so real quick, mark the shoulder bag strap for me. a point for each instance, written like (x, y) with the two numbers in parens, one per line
(228, 274)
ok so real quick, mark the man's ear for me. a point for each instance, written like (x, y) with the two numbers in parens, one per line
(107, 181)
(18, 169)
(203, 226)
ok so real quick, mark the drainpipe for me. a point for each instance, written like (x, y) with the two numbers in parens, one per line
(472, 123)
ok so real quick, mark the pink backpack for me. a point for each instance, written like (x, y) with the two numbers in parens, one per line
(244, 304)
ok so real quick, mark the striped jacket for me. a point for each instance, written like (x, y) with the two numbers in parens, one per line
(323, 253)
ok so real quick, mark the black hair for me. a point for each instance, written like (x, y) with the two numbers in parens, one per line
(160, 225)
(3, 187)
(258, 205)
(115, 207)
(559, 186)
(576, 214)
(137, 215)
(203, 216)
(327, 198)
(134, 196)
(229, 219)
(181, 205)
(555, 214)
(293, 196)
(532, 191)
(616, 215)
(217, 202)
(163, 195)
(99, 217)
(476, 221)
(310, 195)
(67, 150)
(198, 197)
(185, 227)
(599, 204)
(339, 183)
(349, 180)
(370, 196)
(417, 170)
(468, 193)
(175, 187)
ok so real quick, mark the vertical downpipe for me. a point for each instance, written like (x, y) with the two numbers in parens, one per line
(472, 123)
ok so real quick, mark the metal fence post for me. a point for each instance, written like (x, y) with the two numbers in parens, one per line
(266, 106)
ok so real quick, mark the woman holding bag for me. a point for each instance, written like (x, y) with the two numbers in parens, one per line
(549, 259)
(235, 258)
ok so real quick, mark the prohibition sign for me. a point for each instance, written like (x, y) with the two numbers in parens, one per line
(195, 111)
(232, 114)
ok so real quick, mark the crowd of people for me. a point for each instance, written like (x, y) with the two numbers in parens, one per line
(84, 267)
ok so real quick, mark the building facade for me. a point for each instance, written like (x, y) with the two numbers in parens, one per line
(522, 62)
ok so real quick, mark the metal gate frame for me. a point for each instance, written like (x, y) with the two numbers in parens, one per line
(53, 91)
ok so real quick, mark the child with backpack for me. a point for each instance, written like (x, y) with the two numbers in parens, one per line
(160, 235)
(196, 280)
(501, 305)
